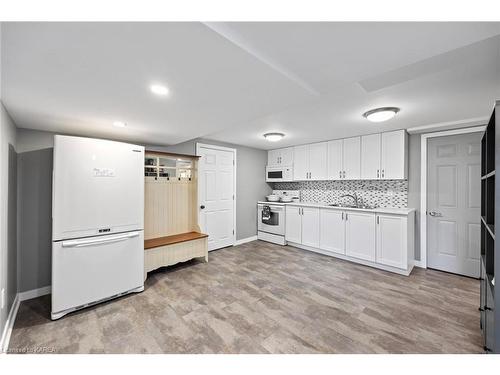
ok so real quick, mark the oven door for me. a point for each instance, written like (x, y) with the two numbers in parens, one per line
(275, 224)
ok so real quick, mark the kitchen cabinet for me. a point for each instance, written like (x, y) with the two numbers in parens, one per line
(344, 159)
(352, 158)
(391, 238)
(310, 226)
(280, 157)
(370, 157)
(383, 239)
(293, 224)
(394, 155)
(332, 231)
(360, 235)
(310, 162)
(302, 225)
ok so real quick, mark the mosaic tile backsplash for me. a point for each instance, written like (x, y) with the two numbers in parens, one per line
(386, 193)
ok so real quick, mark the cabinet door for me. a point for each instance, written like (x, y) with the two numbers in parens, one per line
(351, 158)
(318, 161)
(391, 241)
(286, 157)
(293, 224)
(273, 157)
(360, 235)
(300, 162)
(332, 230)
(394, 162)
(335, 159)
(370, 157)
(310, 226)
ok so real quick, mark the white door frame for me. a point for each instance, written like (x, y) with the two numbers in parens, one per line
(233, 150)
(423, 184)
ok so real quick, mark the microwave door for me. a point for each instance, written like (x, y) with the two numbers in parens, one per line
(275, 175)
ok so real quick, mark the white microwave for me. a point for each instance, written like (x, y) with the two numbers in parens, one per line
(279, 174)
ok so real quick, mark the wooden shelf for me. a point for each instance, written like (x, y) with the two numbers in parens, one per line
(169, 240)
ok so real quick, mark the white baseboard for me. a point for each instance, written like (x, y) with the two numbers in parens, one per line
(245, 240)
(9, 325)
(419, 264)
(34, 293)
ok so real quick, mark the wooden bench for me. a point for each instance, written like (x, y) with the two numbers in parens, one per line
(169, 250)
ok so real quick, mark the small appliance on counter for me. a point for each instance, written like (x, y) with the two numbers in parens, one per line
(271, 215)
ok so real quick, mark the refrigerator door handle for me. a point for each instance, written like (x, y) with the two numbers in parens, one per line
(98, 241)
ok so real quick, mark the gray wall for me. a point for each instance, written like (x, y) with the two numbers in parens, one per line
(35, 218)
(414, 185)
(8, 203)
(35, 198)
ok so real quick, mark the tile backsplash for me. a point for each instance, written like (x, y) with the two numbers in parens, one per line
(386, 193)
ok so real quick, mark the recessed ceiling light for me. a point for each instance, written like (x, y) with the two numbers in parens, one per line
(119, 124)
(159, 89)
(273, 137)
(381, 114)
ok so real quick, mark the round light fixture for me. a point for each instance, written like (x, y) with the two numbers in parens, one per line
(119, 124)
(159, 90)
(381, 114)
(274, 137)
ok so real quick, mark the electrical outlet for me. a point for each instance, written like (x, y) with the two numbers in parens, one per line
(3, 298)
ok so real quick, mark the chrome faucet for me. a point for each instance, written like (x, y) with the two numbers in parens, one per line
(354, 196)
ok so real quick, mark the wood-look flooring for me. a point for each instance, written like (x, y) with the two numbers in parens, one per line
(263, 298)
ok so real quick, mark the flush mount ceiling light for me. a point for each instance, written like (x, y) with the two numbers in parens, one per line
(273, 137)
(159, 89)
(381, 114)
(119, 124)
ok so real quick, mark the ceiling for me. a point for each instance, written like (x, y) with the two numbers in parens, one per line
(233, 82)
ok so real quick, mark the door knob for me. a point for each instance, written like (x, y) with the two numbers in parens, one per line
(202, 207)
(435, 214)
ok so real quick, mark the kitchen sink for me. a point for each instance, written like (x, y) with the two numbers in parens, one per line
(363, 207)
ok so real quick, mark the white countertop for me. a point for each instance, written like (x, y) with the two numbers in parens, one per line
(380, 210)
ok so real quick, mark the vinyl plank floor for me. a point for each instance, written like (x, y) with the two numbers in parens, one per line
(263, 298)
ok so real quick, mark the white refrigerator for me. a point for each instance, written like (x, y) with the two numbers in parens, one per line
(97, 222)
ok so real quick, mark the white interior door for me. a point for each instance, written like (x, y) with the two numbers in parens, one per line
(453, 203)
(216, 195)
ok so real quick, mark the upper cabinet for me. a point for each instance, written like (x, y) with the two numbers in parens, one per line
(310, 162)
(344, 158)
(382, 156)
(394, 155)
(281, 156)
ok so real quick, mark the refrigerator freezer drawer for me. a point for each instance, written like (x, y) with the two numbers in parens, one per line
(98, 187)
(89, 270)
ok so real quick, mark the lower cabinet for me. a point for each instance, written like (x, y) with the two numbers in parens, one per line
(380, 240)
(360, 235)
(302, 225)
(391, 239)
(332, 231)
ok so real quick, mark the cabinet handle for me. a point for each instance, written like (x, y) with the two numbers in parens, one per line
(378, 173)
(340, 174)
(378, 219)
(383, 172)
(344, 174)
(346, 216)
(342, 216)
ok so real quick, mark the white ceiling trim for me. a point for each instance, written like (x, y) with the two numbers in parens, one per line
(478, 121)
(231, 35)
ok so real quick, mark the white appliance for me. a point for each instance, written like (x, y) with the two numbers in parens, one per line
(271, 229)
(97, 222)
(271, 224)
(279, 174)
